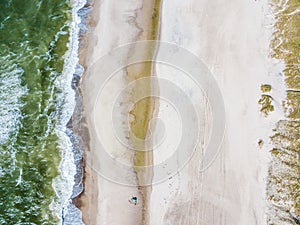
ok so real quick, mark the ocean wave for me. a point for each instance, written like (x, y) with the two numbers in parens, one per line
(10, 92)
(69, 184)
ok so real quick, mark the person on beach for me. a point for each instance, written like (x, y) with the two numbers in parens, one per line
(133, 200)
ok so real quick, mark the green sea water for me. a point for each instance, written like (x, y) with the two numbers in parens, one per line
(284, 171)
(33, 42)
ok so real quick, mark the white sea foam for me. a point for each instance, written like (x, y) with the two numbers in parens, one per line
(10, 92)
(64, 183)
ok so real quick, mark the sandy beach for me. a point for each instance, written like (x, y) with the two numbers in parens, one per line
(232, 40)
(105, 200)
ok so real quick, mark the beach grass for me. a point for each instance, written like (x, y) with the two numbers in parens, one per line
(266, 104)
(284, 171)
(265, 88)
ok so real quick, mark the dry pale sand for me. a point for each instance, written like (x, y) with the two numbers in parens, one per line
(231, 38)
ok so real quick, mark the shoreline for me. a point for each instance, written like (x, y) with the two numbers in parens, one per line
(71, 162)
(81, 128)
